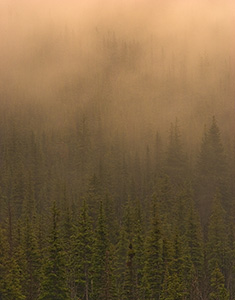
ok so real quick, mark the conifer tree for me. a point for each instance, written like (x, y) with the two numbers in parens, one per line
(175, 281)
(153, 270)
(176, 163)
(54, 281)
(103, 287)
(171, 287)
(217, 245)
(129, 287)
(158, 155)
(10, 273)
(231, 258)
(120, 258)
(195, 242)
(211, 171)
(194, 250)
(219, 292)
(128, 219)
(67, 234)
(111, 218)
(93, 196)
(82, 255)
(32, 271)
(163, 198)
(13, 279)
(138, 244)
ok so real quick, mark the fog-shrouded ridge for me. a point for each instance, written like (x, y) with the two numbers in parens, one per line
(117, 149)
(140, 64)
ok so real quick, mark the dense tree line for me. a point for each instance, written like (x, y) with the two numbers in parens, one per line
(83, 216)
(101, 198)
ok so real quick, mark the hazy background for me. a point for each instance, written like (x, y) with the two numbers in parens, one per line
(135, 66)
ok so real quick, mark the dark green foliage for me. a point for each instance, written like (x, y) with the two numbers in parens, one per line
(217, 245)
(145, 227)
(82, 250)
(153, 270)
(121, 254)
(102, 262)
(139, 246)
(195, 242)
(130, 284)
(31, 257)
(54, 280)
(218, 290)
(10, 273)
(172, 288)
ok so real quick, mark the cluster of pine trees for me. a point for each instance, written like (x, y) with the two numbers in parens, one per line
(83, 216)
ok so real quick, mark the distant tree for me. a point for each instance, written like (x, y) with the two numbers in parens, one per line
(176, 162)
(111, 217)
(158, 155)
(211, 170)
(93, 196)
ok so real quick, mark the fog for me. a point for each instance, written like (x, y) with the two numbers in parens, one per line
(138, 64)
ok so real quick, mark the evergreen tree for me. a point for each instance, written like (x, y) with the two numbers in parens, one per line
(231, 259)
(176, 163)
(32, 271)
(219, 291)
(82, 256)
(93, 196)
(153, 270)
(217, 245)
(111, 218)
(195, 242)
(129, 288)
(138, 244)
(211, 171)
(10, 273)
(172, 287)
(194, 250)
(120, 258)
(103, 287)
(163, 199)
(54, 281)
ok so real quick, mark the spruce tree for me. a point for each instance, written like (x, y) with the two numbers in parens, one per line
(218, 290)
(138, 244)
(103, 287)
(176, 162)
(120, 258)
(82, 251)
(217, 244)
(153, 270)
(211, 171)
(10, 272)
(54, 281)
(32, 271)
(129, 287)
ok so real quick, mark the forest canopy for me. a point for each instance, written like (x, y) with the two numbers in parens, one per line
(117, 150)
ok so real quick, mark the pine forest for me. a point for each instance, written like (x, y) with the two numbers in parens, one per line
(117, 150)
